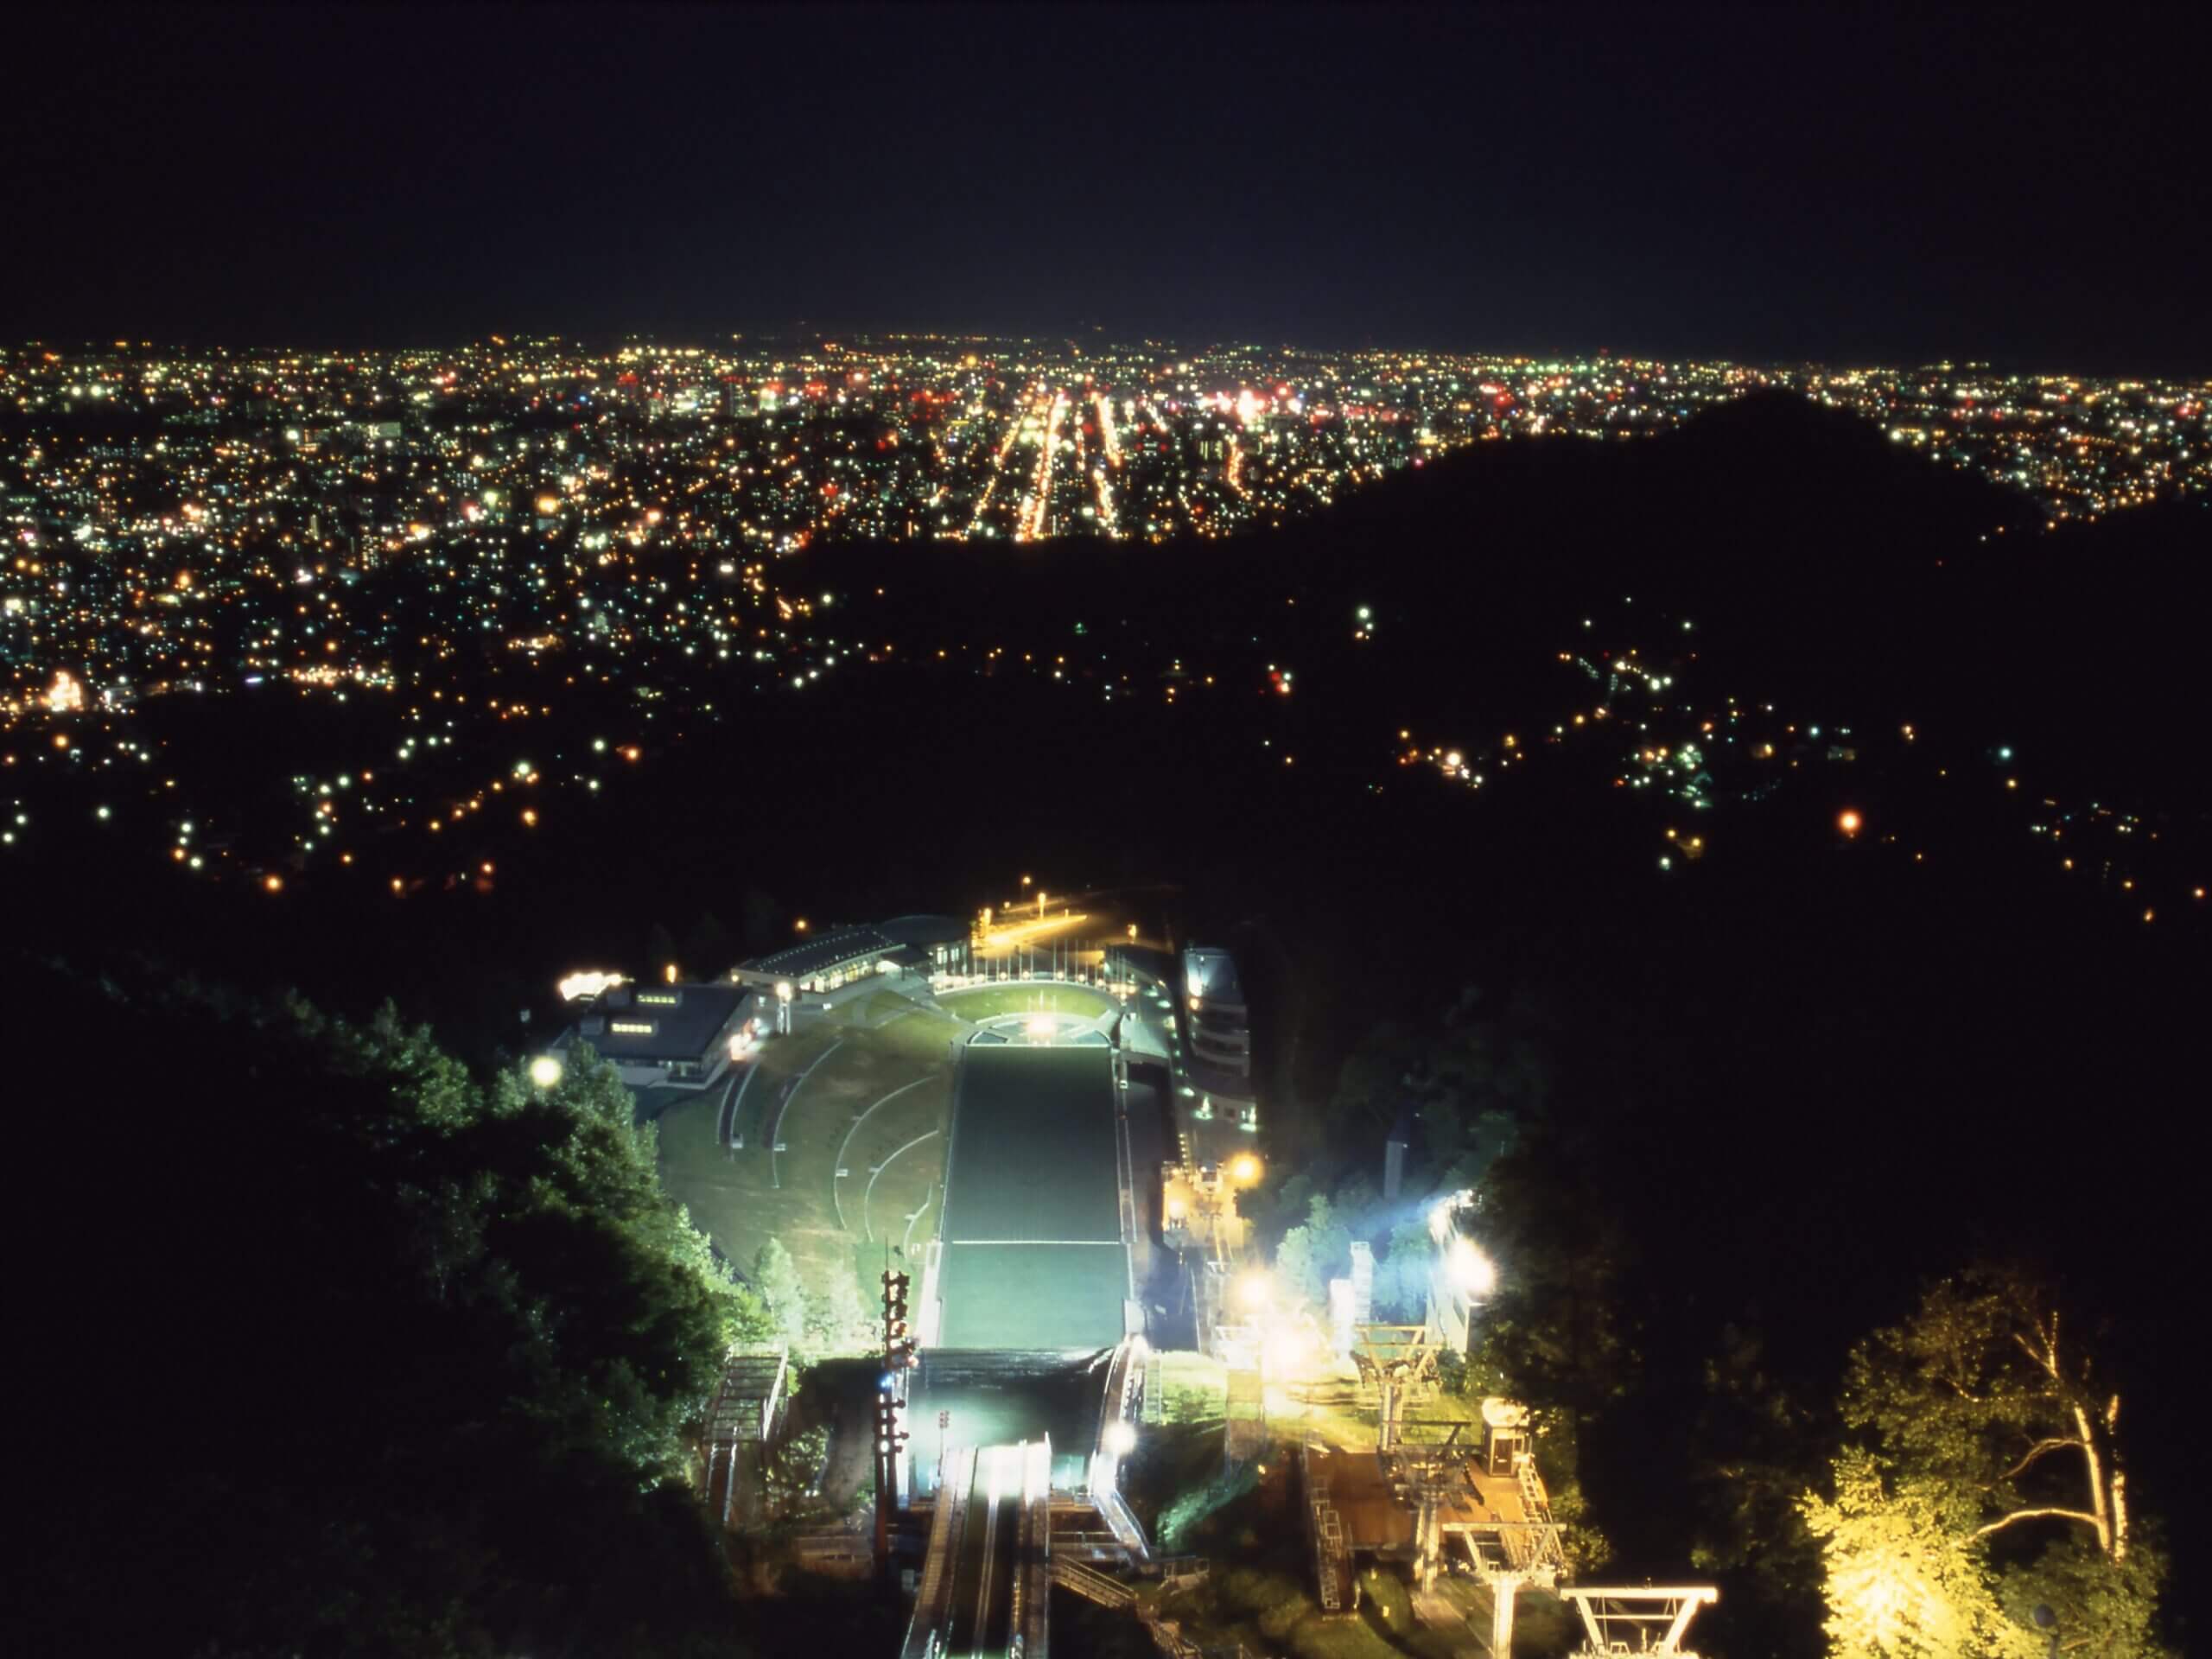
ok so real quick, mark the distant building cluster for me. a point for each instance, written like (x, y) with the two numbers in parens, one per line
(177, 517)
(2082, 447)
(504, 576)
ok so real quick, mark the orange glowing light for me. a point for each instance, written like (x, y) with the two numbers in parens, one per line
(1849, 821)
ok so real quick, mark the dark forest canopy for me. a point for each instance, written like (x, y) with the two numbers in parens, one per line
(361, 1353)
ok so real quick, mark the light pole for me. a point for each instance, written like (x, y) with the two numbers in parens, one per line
(784, 1007)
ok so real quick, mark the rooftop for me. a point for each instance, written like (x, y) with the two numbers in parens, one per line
(645, 1025)
(820, 955)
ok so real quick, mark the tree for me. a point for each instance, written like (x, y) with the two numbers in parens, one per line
(1561, 1327)
(1312, 1254)
(660, 951)
(775, 1275)
(1298, 1271)
(467, 1303)
(836, 1321)
(1755, 1448)
(1985, 1480)
(707, 947)
(1984, 1387)
(1903, 1575)
(1402, 1276)
(760, 913)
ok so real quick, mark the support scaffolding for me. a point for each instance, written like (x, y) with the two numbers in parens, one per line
(1647, 1620)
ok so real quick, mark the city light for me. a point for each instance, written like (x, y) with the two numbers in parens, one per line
(545, 1071)
(586, 983)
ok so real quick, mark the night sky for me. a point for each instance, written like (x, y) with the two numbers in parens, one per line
(1846, 185)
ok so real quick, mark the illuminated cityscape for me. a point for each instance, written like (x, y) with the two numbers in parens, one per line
(459, 548)
(1248, 832)
(192, 524)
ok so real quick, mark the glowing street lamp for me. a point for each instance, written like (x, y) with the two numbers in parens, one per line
(545, 1071)
(1253, 1292)
(1849, 821)
(783, 992)
(1244, 1169)
(1471, 1271)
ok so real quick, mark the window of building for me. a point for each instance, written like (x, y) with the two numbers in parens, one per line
(660, 999)
(632, 1028)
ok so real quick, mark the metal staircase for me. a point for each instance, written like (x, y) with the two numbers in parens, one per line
(1331, 1562)
(1090, 1584)
(1544, 1546)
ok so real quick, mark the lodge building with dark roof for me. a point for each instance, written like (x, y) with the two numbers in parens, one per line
(679, 1035)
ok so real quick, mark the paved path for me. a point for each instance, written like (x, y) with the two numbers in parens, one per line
(837, 1169)
(907, 1244)
(776, 1131)
(879, 1170)
(751, 1071)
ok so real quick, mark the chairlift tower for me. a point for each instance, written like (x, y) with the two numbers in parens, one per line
(1648, 1619)
(899, 1357)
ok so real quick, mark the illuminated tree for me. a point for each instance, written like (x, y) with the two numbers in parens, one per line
(1985, 1387)
(1986, 1480)
(837, 1320)
(1312, 1254)
(1402, 1276)
(1906, 1576)
(775, 1275)
(1299, 1278)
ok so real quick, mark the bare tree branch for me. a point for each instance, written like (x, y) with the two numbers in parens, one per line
(2083, 1516)
(2036, 1451)
(2049, 1364)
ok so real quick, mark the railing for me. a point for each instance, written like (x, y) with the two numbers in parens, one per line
(1090, 1584)
(1176, 1570)
(1332, 1567)
(945, 1529)
(1543, 1542)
